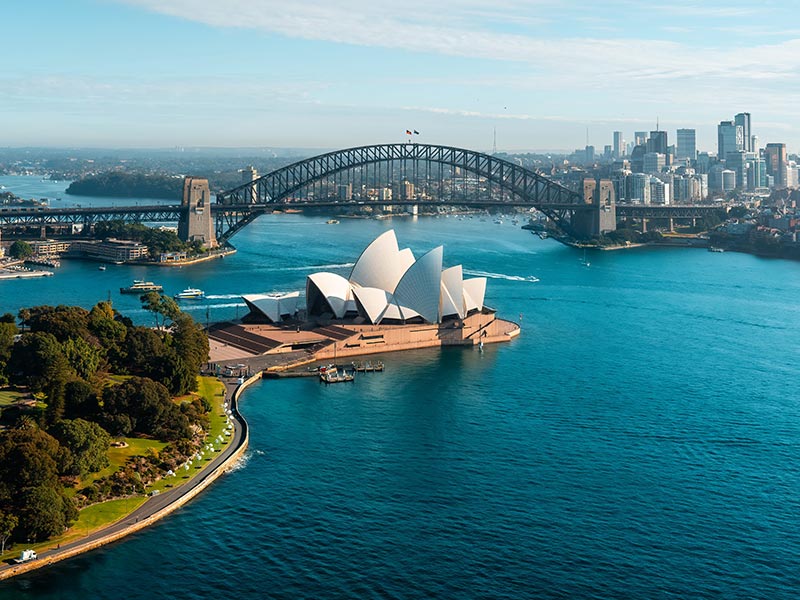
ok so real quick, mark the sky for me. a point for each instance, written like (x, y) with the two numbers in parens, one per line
(334, 74)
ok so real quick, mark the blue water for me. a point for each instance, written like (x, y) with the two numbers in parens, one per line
(640, 439)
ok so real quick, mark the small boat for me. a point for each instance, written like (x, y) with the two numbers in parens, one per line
(332, 222)
(334, 374)
(715, 249)
(101, 268)
(139, 286)
(583, 260)
(190, 294)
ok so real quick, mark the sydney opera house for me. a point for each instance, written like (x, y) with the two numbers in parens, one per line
(390, 301)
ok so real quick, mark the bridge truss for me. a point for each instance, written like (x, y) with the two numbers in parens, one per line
(237, 207)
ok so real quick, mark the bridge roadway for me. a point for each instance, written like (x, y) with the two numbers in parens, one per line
(172, 213)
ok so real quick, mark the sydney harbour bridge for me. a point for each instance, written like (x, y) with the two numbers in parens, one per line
(418, 175)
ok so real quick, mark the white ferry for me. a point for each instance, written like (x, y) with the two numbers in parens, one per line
(190, 294)
(140, 286)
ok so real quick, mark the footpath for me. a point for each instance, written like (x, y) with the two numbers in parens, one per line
(156, 507)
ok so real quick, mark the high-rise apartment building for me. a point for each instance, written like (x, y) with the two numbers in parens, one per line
(618, 147)
(775, 157)
(743, 121)
(687, 144)
(729, 139)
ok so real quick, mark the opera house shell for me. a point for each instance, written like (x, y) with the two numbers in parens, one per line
(388, 286)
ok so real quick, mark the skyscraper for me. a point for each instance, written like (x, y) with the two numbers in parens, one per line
(743, 121)
(775, 156)
(618, 148)
(687, 144)
(640, 138)
(657, 142)
(729, 139)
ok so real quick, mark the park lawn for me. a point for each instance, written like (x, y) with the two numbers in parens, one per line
(117, 458)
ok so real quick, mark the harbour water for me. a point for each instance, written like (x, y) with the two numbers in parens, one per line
(639, 439)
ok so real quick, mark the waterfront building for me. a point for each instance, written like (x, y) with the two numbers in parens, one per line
(50, 247)
(687, 144)
(743, 120)
(729, 139)
(111, 250)
(775, 157)
(387, 285)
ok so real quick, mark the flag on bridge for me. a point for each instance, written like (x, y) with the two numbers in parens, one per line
(408, 132)
(416, 132)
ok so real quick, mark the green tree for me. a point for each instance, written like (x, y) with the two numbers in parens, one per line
(45, 512)
(143, 405)
(87, 442)
(83, 357)
(8, 523)
(29, 482)
(163, 308)
(80, 400)
(63, 322)
(8, 329)
(20, 249)
(38, 361)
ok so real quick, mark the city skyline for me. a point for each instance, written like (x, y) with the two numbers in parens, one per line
(146, 73)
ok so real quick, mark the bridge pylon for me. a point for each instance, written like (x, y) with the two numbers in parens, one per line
(196, 222)
(603, 216)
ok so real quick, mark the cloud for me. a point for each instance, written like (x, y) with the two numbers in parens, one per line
(459, 29)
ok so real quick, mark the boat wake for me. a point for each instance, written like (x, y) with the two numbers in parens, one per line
(222, 296)
(528, 279)
(205, 306)
(314, 267)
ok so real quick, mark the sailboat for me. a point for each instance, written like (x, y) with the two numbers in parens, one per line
(585, 262)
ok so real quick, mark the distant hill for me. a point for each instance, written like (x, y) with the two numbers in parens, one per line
(118, 184)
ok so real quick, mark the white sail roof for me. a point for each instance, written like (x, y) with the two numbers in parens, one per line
(377, 265)
(387, 283)
(420, 287)
(335, 290)
(273, 306)
(373, 301)
(452, 301)
(474, 290)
